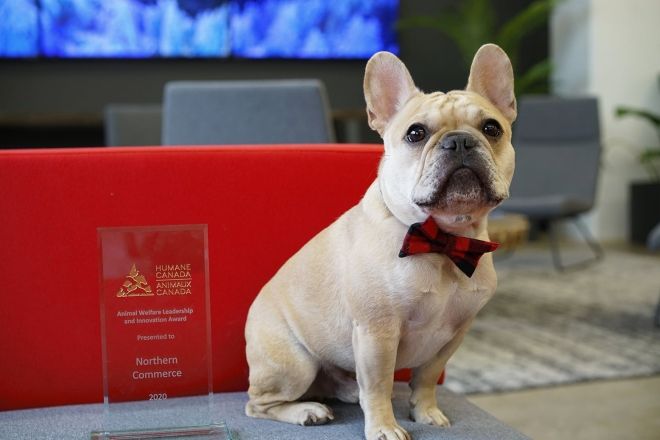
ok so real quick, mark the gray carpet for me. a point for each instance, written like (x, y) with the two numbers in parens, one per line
(76, 421)
(546, 328)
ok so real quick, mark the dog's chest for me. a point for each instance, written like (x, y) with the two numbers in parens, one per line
(441, 306)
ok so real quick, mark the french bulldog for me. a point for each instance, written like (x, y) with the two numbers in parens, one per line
(346, 311)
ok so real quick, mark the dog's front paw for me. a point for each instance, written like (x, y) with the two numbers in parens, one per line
(429, 415)
(387, 432)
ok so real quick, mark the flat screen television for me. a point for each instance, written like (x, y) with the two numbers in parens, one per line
(298, 29)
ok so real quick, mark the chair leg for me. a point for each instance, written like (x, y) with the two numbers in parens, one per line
(554, 246)
(657, 315)
(594, 246)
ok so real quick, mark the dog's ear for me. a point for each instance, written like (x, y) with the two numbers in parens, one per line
(387, 86)
(491, 76)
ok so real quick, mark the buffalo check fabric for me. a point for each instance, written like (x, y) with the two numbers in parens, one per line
(427, 237)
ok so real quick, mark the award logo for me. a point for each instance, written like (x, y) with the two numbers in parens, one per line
(135, 285)
(171, 279)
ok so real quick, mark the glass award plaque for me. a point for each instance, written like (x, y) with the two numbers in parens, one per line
(155, 320)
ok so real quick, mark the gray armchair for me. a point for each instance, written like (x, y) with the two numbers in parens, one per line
(557, 142)
(246, 112)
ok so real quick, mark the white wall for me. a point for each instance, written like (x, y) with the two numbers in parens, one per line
(611, 49)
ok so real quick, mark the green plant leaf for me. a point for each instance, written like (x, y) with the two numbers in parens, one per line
(477, 26)
(420, 21)
(534, 79)
(650, 159)
(649, 155)
(447, 23)
(513, 31)
(468, 26)
(628, 111)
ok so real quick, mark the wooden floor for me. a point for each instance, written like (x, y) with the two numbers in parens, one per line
(621, 409)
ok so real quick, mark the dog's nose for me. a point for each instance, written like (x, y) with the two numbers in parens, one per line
(458, 142)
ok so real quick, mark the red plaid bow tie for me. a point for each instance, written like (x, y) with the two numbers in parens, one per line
(463, 251)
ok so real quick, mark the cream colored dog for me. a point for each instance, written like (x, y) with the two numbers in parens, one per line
(346, 306)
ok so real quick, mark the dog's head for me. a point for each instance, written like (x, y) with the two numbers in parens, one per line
(448, 155)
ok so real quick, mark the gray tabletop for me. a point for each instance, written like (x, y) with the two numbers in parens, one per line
(77, 421)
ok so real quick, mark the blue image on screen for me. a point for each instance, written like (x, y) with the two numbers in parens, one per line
(313, 28)
(135, 28)
(19, 28)
(316, 29)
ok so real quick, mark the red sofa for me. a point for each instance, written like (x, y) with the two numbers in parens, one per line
(261, 203)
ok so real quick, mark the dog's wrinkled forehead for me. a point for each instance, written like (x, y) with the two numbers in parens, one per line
(449, 110)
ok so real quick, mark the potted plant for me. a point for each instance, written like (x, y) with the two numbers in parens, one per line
(471, 23)
(645, 195)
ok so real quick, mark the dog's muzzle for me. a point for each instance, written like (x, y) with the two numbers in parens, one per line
(461, 172)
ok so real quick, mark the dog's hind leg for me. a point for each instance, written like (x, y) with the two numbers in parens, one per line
(344, 385)
(334, 383)
(281, 371)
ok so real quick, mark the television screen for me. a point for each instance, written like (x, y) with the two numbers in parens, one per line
(197, 28)
(134, 28)
(313, 28)
(19, 28)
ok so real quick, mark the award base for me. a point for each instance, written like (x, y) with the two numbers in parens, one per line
(182, 417)
(217, 431)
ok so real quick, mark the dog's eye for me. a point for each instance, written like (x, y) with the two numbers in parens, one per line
(492, 128)
(416, 133)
